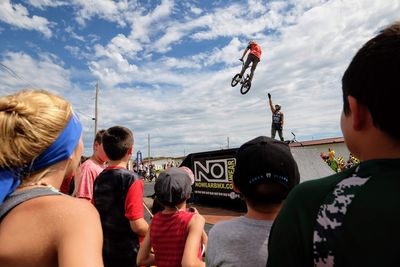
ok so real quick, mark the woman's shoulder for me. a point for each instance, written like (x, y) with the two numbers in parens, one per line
(68, 207)
(56, 211)
(46, 221)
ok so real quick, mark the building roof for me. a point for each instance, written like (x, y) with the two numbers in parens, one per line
(325, 141)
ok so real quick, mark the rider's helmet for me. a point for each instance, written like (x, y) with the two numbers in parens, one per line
(278, 106)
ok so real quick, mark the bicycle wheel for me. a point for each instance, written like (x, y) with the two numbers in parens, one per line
(235, 80)
(245, 87)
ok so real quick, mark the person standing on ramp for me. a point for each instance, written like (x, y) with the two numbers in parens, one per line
(277, 119)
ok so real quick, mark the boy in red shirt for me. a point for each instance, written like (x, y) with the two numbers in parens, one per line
(175, 233)
(118, 196)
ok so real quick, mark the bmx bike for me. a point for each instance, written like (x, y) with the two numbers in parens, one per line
(244, 81)
(288, 142)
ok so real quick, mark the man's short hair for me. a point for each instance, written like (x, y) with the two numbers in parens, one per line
(265, 171)
(99, 137)
(373, 79)
(117, 141)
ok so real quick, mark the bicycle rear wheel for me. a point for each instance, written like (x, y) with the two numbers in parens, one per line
(235, 80)
(245, 87)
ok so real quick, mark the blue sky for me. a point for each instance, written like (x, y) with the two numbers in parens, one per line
(164, 67)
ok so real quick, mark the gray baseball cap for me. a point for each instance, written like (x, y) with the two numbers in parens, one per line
(173, 186)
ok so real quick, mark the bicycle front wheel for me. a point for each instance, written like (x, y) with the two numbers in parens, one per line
(235, 80)
(245, 87)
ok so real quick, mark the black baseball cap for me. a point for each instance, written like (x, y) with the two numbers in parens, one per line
(264, 159)
(173, 186)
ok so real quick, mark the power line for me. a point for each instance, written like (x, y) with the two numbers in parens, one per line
(15, 75)
(83, 114)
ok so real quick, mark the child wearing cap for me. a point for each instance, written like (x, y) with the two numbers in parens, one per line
(352, 218)
(175, 233)
(265, 172)
(118, 196)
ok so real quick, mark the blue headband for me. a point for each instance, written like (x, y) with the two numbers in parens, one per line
(61, 149)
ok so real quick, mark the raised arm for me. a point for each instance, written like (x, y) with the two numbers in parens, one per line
(270, 103)
(244, 53)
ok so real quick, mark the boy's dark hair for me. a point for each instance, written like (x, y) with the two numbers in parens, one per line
(117, 141)
(265, 171)
(99, 137)
(266, 193)
(373, 79)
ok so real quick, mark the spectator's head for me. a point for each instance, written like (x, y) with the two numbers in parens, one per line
(265, 172)
(98, 149)
(252, 42)
(372, 81)
(118, 143)
(277, 107)
(38, 129)
(189, 172)
(173, 187)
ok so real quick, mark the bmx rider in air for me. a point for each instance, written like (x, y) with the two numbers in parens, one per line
(254, 56)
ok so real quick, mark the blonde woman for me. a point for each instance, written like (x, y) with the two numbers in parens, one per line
(40, 144)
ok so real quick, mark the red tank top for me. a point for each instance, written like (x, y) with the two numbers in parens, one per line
(168, 233)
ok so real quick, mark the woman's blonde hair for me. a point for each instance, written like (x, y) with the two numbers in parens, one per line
(30, 121)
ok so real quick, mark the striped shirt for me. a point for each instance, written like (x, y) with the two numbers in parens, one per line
(168, 233)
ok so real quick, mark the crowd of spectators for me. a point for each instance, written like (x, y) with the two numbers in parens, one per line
(338, 164)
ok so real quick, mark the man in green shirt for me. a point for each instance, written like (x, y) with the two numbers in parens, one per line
(352, 218)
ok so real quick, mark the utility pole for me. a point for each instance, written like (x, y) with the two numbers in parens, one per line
(148, 146)
(96, 109)
(227, 139)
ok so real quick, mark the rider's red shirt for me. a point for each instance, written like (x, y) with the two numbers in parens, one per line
(255, 49)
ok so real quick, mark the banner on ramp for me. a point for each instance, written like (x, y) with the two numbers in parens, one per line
(213, 172)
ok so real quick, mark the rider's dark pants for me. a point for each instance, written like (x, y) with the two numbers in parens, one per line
(277, 127)
(250, 58)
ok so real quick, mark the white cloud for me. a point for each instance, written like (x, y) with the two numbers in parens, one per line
(228, 55)
(71, 32)
(196, 10)
(17, 15)
(122, 44)
(144, 25)
(110, 10)
(26, 72)
(78, 52)
(46, 3)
